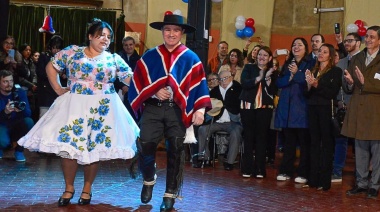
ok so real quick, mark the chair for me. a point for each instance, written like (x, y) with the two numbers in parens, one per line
(220, 144)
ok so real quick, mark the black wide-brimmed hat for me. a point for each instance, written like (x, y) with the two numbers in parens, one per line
(173, 20)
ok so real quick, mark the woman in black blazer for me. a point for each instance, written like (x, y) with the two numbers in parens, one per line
(323, 82)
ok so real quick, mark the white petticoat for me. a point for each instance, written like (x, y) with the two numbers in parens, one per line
(88, 128)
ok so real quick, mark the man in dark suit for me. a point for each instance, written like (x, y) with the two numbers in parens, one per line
(227, 120)
(130, 56)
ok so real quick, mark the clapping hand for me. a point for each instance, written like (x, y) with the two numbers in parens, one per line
(359, 75)
(310, 79)
(347, 76)
(293, 68)
(269, 72)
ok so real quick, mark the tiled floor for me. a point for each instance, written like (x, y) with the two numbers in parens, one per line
(37, 184)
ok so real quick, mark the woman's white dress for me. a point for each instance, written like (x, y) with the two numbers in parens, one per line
(90, 123)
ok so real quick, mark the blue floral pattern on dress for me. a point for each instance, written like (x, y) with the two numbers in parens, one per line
(73, 133)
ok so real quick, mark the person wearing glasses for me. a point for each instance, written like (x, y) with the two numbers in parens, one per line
(235, 63)
(259, 87)
(10, 58)
(352, 44)
(212, 80)
(227, 120)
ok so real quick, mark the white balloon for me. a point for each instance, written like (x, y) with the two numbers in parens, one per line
(240, 18)
(216, 1)
(177, 12)
(240, 25)
(352, 28)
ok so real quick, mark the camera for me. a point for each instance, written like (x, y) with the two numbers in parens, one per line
(19, 104)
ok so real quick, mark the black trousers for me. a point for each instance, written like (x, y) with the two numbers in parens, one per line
(294, 136)
(158, 122)
(256, 123)
(321, 147)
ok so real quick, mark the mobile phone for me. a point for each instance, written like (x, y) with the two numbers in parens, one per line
(337, 28)
(255, 39)
(11, 53)
(282, 52)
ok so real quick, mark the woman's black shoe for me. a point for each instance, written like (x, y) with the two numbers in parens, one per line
(82, 201)
(65, 201)
(167, 204)
(146, 193)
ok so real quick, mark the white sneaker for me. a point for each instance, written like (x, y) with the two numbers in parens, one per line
(260, 176)
(246, 175)
(300, 180)
(282, 177)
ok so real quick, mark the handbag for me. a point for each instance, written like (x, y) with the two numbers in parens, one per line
(337, 119)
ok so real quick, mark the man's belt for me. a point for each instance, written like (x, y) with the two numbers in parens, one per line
(159, 103)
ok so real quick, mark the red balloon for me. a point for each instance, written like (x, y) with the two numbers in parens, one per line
(168, 13)
(362, 31)
(249, 22)
(359, 23)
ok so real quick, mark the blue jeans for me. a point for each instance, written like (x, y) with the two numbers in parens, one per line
(340, 155)
(14, 131)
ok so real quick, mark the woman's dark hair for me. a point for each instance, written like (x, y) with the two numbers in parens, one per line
(267, 50)
(96, 29)
(330, 63)
(249, 56)
(23, 47)
(291, 55)
(55, 42)
(239, 54)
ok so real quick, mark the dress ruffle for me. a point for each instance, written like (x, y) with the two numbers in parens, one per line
(88, 128)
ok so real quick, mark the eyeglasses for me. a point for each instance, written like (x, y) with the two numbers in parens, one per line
(235, 56)
(349, 40)
(224, 78)
(8, 43)
(212, 80)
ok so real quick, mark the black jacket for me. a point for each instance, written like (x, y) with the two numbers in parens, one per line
(231, 101)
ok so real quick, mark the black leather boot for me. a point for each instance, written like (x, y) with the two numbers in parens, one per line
(167, 204)
(147, 190)
(147, 163)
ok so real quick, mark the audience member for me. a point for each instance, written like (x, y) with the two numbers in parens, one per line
(235, 63)
(212, 80)
(291, 112)
(251, 58)
(316, 41)
(35, 56)
(362, 119)
(45, 93)
(10, 58)
(15, 115)
(352, 44)
(130, 56)
(227, 120)
(215, 63)
(323, 84)
(258, 83)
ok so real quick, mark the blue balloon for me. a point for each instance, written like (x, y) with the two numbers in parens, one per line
(248, 32)
(240, 33)
(186, 1)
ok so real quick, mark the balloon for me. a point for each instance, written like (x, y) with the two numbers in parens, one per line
(249, 22)
(240, 18)
(168, 13)
(239, 25)
(186, 1)
(352, 28)
(177, 12)
(362, 31)
(359, 23)
(240, 33)
(254, 29)
(216, 1)
(248, 32)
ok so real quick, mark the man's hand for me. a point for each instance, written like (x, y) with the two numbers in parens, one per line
(10, 107)
(347, 76)
(338, 38)
(198, 118)
(359, 75)
(163, 94)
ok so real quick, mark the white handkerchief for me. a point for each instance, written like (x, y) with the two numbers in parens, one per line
(377, 76)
